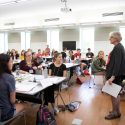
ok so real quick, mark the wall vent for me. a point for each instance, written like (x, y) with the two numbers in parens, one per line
(9, 24)
(112, 14)
(51, 19)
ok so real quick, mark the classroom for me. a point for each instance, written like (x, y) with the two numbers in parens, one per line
(62, 62)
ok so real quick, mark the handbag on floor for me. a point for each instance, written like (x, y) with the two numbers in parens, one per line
(45, 117)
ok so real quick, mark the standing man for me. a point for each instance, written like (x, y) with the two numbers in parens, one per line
(47, 50)
(115, 71)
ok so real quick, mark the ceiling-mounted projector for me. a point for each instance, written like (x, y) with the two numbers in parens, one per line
(66, 9)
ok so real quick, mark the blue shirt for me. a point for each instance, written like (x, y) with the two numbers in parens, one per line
(7, 85)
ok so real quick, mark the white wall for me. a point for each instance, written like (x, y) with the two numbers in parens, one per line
(14, 41)
(104, 46)
(69, 35)
(38, 40)
(101, 39)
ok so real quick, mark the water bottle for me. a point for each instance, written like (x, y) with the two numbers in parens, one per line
(69, 59)
(45, 72)
(17, 70)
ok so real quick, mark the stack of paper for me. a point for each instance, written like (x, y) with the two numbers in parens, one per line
(112, 90)
(46, 83)
(25, 86)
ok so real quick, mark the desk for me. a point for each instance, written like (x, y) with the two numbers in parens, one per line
(68, 65)
(87, 61)
(71, 65)
(28, 89)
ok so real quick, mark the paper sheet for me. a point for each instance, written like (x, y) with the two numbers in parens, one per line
(25, 86)
(76, 122)
(46, 83)
(112, 90)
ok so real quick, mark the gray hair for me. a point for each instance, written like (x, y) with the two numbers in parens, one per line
(116, 35)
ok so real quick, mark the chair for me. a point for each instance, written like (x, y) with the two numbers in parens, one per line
(14, 118)
(96, 74)
(60, 87)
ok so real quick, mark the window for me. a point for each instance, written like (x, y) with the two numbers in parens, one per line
(122, 31)
(3, 42)
(25, 40)
(87, 38)
(53, 39)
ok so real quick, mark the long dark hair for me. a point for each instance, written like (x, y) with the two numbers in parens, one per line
(4, 59)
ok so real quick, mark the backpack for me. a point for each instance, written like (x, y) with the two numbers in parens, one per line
(45, 117)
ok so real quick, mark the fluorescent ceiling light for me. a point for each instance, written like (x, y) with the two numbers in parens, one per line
(101, 22)
(12, 2)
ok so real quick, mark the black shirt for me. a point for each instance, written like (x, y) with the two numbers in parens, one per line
(89, 55)
(57, 71)
(63, 55)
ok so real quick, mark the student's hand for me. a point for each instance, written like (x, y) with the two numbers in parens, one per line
(40, 67)
(111, 80)
(34, 67)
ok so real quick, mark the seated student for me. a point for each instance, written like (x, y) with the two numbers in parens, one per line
(56, 69)
(37, 61)
(7, 88)
(27, 65)
(71, 56)
(39, 54)
(77, 56)
(53, 59)
(52, 53)
(22, 55)
(8, 52)
(98, 64)
(71, 60)
(64, 55)
(89, 54)
(14, 54)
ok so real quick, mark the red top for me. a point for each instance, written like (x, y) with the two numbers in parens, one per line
(39, 55)
(76, 55)
(47, 50)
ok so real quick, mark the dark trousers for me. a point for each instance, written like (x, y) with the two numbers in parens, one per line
(49, 95)
(116, 104)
